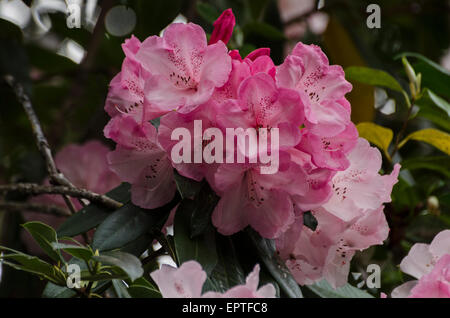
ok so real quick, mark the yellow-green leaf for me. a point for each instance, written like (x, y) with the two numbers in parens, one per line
(377, 135)
(434, 137)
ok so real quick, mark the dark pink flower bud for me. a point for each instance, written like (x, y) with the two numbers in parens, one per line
(223, 27)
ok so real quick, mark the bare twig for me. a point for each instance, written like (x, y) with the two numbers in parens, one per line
(55, 176)
(36, 189)
(34, 207)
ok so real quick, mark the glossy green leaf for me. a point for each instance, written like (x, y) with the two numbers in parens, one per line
(77, 251)
(31, 264)
(434, 76)
(264, 30)
(276, 267)
(228, 272)
(370, 76)
(44, 235)
(201, 248)
(205, 202)
(120, 288)
(325, 290)
(129, 263)
(142, 288)
(92, 215)
(434, 108)
(208, 12)
(187, 188)
(440, 164)
(124, 226)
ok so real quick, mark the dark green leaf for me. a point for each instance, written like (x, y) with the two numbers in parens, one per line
(130, 264)
(207, 12)
(44, 236)
(92, 215)
(201, 248)
(31, 264)
(142, 288)
(372, 76)
(263, 30)
(187, 188)
(228, 271)
(77, 251)
(55, 291)
(279, 271)
(433, 75)
(434, 108)
(120, 288)
(205, 202)
(325, 290)
(440, 164)
(124, 226)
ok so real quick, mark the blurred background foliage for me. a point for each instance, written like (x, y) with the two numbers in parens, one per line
(66, 71)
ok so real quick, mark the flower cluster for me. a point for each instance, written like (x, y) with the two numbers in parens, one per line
(430, 265)
(322, 165)
(187, 282)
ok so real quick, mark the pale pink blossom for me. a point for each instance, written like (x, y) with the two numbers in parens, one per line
(430, 265)
(360, 187)
(85, 165)
(140, 160)
(187, 282)
(326, 252)
(184, 69)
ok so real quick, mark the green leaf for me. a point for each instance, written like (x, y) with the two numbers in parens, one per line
(142, 288)
(325, 290)
(208, 12)
(201, 248)
(433, 75)
(434, 108)
(205, 202)
(264, 30)
(120, 288)
(143, 292)
(44, 236)
(434, 137)
(377, 135)
(130, 264)
(187, 188)
(276, 267)
(372, 76)
(228, 271)
(77, 251)
(440, 164)
(55, 291)
(92, 215)
(124, 226)
(31, 264)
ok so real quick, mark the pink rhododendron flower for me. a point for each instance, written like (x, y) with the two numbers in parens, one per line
(352, 219)
(320, 85)
(184, 69)
(360, 187)
(261, 105)
(430, 264)
(321, 164)
(140, 160)
(187, 282)
(326, 252)
(86, 167)
(223, 27)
